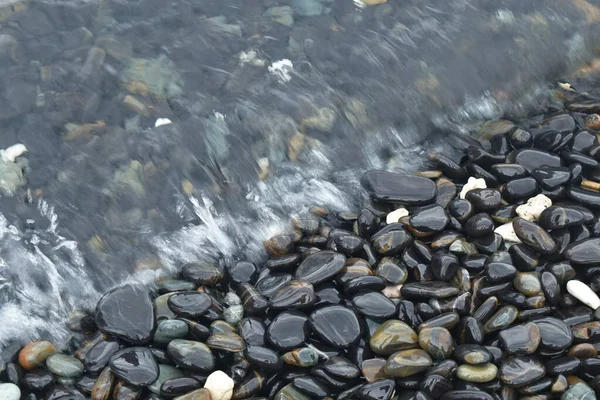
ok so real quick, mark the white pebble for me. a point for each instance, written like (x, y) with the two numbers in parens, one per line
(508, 233)
(162, 121)
(282, 70)
(583, 293)
(533, 208)
(219, 385)
(472, 183)
(11, 153)
(395, 215)
(9, 391)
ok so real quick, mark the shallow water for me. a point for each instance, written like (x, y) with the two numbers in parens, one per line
(107, 197)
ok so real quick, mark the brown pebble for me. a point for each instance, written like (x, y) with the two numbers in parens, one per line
(373, 369)
(34, 354)
(583, 350)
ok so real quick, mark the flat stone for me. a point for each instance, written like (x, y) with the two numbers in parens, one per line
(394, 187)
(135, 365)
(126, 312)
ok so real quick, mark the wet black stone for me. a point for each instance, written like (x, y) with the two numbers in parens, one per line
(555, 334)
(408, 314)
(585, 197)
(586, 252)
(378, 390)
(408, 189)
(252, 330)
(572, 157)
(520, 371)
(373, 304)
(534, 236)
(288, 330)
(189, 304)
(431, 218)
(563, 271)
(508, 172)
(327, 293)
(590, 368)
(191, 355)
(366, 282)
(97, 358)
(584, 141)
(488, 244)
(348, 244)
(469, 331)
(484, 199)
(37, 380)
(481, 157)
(126, 313)
(551, 288)
(550, 178)
(520, 189)
(523, 257)
(134, 365)
(391, 271)
(500, 144)
(179, 386)
(474, 263)
(550, 140)
(574, 315)
(320, 267)
(64, 393)
(428, 290)
(336, 325)
(520, 138)
(436, 385)
(245, 271)
(444, 265)
(293, 295)
(341, 367)
(263, 358)
(563, 365)
(202, 273)
(466, 395)
(579, 233)
(478, 171)
(513, 298)
(451, 169)
(311, 386)
(391, 240)
(366, 223)
(532, 159)
(479, 225)
(461, 209)
(498, 272)
(266, 286)
(520, 339)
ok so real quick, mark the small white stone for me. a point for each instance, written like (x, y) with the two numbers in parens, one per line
(508, 233)
(392, 292)
(9, 391)
(282, 70)
(472, 183)
(395, 215)
(219, 385)
(533, 208)
(583, 293)
(11, 153)
(162, 121)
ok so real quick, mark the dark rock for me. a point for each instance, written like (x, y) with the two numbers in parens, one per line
(134, 365)
(407, 189)
(127, 313)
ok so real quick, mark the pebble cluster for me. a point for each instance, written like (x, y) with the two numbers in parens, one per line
(476, 279)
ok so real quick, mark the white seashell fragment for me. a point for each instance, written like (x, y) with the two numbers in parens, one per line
(583, 293)
(11, 153)
(472, 183)
(533, 208)
(508, 233)
(162, 121)
(282, 70)
(395, 215)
